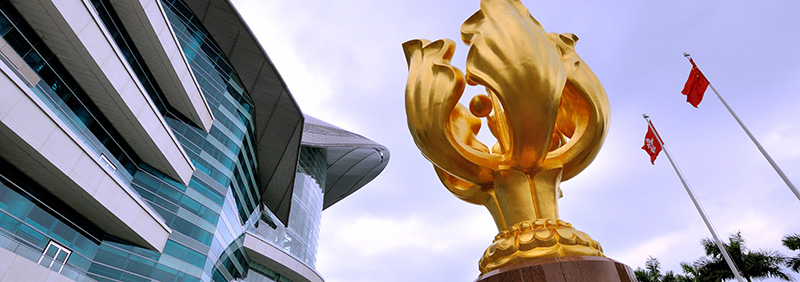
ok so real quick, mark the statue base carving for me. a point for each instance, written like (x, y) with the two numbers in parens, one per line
(566, 269)
(537, 239)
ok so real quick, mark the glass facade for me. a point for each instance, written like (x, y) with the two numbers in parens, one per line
(260, 273)
(209, 217)
(301, 237)
(62, 92)
(226, 154)
(31, 218)
(206, 216)
(306, 214)
(123, 40)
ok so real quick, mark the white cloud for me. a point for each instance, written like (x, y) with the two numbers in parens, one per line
(343, 63)
(783, 141)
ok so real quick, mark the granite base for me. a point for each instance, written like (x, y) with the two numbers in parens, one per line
(566, 269)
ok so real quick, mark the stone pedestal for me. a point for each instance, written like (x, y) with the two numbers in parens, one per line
(566, 269)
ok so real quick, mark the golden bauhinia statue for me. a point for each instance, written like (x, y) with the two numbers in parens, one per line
(546, 109)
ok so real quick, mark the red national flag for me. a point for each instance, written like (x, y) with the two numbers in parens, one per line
(652, 145)
(695, 86)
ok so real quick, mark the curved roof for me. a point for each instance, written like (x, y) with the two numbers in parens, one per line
(353, 160)
(278, 119)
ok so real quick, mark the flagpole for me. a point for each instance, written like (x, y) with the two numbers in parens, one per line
(696, 203)
(763, 152)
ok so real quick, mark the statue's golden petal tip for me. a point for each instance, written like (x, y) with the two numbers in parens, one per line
(470, 27)
(412, 43)
(442, 47)
(568, 38)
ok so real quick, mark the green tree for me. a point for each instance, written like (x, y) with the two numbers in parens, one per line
(652, 273)
(760, 264)
(690, 272)
(792, 241)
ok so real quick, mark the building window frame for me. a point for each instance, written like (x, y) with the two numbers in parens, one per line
(52, 256)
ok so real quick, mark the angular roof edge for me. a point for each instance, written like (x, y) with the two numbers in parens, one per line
(278, 118)
(353, 160)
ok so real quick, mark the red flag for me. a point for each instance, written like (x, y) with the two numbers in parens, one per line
(695, 86)
(652, 145)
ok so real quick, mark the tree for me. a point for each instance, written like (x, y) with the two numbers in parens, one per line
(652, 273)
(760, 264)
(792, 241)
(690, 273)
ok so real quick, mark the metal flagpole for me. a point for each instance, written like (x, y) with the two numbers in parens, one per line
(696, 204)
(763, 152)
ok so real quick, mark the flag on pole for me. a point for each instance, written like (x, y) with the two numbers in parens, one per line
(652, 145)
(650, 139)
(695, 86)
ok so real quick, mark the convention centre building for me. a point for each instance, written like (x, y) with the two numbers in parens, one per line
(154, 140)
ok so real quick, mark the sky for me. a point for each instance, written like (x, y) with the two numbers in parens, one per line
(343, 63)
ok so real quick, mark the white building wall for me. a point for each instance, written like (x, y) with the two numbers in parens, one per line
(152, 34)
(15, 268)
(75, 33)
(39, 143)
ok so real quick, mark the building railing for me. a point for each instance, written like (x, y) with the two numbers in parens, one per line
(65, 114)
(28, 250)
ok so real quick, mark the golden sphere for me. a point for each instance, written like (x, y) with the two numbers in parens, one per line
(480, 105)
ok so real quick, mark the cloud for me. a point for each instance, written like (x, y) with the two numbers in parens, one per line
(343, 62)
(405, 246)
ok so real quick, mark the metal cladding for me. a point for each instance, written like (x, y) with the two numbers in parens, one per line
(278, 119)
(155, 140)
(353, 160)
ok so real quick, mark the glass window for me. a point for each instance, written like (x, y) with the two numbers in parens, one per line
(17, 41)
(5, 26)
(40, 219)
(34, 61)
